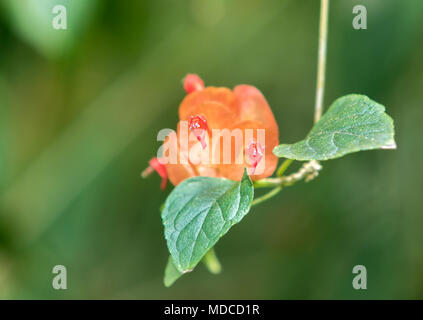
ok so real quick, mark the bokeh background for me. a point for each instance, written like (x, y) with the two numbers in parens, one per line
(80, 110)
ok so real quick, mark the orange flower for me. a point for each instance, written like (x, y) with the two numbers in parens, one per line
(211, 121)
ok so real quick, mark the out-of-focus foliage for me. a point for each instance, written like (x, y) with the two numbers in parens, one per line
(80, 110)
(32, 21)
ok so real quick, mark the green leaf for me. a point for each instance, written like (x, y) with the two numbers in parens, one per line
(352, 123)
(199, 211)
(171, 273)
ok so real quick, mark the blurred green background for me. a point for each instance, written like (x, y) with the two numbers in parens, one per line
(80, 110)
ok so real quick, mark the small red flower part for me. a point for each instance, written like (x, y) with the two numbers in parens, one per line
(198, 126)
(208, 110)
(254, 153)
(193, 82)
(156, 165)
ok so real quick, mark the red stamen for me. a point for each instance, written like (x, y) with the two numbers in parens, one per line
(193, 82)
(198, 125)
(160, 168)
(254, 153)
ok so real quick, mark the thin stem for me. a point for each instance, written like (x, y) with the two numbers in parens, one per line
(267, 196)
(321, 61)
(283, 167)
(307, 172)
(264, 183)
(310, 169)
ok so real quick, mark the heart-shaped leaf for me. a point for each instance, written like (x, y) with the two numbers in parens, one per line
(353, 123)
(198, 212)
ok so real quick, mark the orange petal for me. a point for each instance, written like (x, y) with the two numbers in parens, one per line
(188, 149)
(178, 168)
(217, 115)
(199, 158)
(179, 172)
(214, 94)
(210, 97)
(267, 164)
(251, 105)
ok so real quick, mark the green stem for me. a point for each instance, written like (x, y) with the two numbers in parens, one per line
(310, 169)
(211, 262)
(283, 167)
(267, 183)
(321, 60)
(267, 196)
(307, 172)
